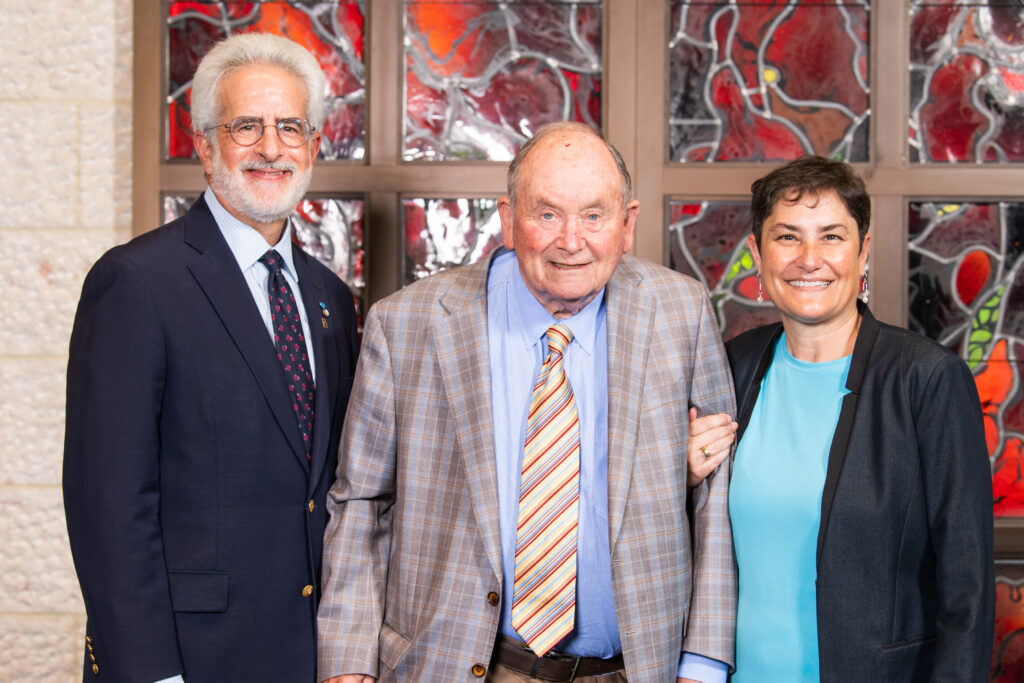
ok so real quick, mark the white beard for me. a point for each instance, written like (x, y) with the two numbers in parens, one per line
(260, 207)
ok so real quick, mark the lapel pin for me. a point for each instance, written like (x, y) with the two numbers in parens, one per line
(324, 314)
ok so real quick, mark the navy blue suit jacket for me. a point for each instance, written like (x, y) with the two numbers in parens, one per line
(196, 521)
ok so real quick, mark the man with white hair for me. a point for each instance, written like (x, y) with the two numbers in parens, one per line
(209, 373)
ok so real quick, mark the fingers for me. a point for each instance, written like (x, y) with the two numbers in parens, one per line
(711, 439)
(699, 425)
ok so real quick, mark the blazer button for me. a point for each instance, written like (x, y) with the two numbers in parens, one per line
(311, 505)
(493, 599)
(478, 670)
(95, 670)
(307, 590)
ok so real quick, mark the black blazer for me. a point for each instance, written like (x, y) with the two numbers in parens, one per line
(905, 586)
(196, 522)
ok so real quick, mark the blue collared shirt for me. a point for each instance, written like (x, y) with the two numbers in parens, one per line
(248, 246)
(516, 326)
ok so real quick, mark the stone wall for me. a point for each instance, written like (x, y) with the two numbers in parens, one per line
(65, 197)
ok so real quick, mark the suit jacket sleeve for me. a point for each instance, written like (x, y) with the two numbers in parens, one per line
(358, 534)
(958, 496)
(111, 474)
(711, 627)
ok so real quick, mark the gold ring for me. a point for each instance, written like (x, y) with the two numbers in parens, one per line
(706, 451)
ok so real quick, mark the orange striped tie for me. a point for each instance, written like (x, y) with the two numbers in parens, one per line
(544, 598)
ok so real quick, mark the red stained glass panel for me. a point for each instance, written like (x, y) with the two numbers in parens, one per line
(444, 233)
(967, 291)
(764, 80)
(1008, 650)
(707, 241)
(966, 81)
(481, 77)
(332, 31)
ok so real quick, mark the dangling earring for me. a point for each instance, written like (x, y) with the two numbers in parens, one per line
(864, 287)
(760, 292)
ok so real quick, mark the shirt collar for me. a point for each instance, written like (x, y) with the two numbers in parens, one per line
(246, 244)
(535, 319)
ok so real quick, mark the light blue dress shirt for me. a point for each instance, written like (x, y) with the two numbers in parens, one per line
(248, 246)
(517, 324)
(775, 506)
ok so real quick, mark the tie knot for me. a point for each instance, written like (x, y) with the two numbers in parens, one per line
(272, 260)
(559, 337)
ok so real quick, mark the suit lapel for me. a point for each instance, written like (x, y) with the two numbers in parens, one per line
(630, 317)
(324, 356)
(844, 427)
(460, 339)
(218, 275)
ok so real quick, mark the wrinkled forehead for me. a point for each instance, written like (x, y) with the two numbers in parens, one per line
(572, 161)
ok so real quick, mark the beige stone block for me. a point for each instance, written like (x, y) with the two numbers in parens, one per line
(39, 179)
(32, 420)
(42, 281)
(65, 49)
(36, 572)
(106, 163)
(41, 648)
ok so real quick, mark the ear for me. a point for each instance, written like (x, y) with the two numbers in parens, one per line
(632, 211)
(506, 214)
(752, 246)
(204, 148)
(314, 148)
(864, 248)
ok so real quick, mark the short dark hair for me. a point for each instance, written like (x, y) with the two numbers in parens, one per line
(814, 176)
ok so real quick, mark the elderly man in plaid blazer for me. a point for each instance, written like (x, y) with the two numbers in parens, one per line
(436, 567)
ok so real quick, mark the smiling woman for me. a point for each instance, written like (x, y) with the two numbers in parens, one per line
(811, 261)
(853, 437)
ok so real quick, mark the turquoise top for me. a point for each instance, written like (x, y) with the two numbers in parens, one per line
(775, 506)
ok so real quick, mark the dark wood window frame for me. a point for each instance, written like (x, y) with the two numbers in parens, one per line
(634, 105)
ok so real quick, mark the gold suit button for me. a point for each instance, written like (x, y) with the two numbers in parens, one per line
(311, 505)
(95, 669)
(307, 590)
(492, 598)
(478, 670)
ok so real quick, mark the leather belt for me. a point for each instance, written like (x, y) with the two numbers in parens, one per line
(554, 666)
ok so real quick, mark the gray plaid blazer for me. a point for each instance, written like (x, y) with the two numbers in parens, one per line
(412, 549)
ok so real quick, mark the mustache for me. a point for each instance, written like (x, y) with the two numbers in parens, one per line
(253, 165)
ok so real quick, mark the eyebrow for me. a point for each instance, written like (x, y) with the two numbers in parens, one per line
(794, 228)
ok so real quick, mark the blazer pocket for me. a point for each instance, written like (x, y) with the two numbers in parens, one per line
(910, 642)
(198, 591)
(393, 646)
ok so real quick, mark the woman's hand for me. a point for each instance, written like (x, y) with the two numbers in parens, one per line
(711, 438)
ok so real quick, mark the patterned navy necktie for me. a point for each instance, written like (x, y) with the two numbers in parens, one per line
(290, 343)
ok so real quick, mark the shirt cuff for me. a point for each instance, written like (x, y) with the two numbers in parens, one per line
(172, 679)
(703, 669)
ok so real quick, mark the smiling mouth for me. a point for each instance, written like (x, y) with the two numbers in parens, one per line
(268, 173)
(809, 284)
(568, 266)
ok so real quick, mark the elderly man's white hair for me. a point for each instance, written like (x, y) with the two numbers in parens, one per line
(244, 49)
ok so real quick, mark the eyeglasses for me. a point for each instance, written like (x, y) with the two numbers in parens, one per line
(246, 131)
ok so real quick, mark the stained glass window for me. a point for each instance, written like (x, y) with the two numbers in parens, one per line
(708, 241)
(442, 233)
(1008, 649)
(481, 77)
(331, 30)
(330, 230)
(967, 291)
(967, 81)
(763, 80)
